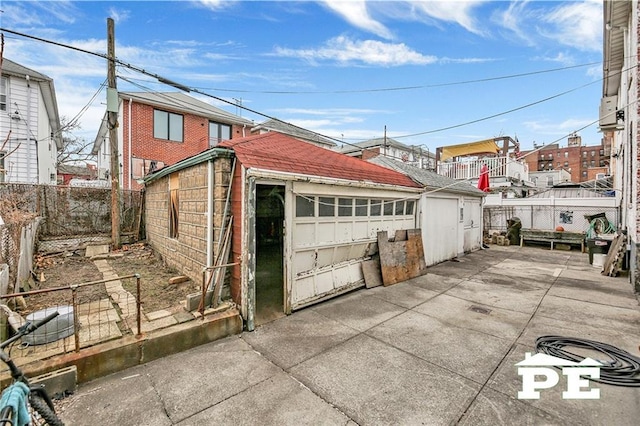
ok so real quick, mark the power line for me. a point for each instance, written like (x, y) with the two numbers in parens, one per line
(341, 141)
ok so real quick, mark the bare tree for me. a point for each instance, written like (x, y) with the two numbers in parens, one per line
(74, 148)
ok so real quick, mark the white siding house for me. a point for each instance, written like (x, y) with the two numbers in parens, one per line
(30, 125)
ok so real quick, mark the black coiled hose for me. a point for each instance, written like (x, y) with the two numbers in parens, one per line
(620, 368)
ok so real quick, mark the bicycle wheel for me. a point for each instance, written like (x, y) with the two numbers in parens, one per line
(43, 415)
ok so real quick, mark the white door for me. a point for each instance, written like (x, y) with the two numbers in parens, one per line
(472, 224)
(440, 220)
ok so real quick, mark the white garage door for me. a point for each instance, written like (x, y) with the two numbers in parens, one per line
(331, 236)
(440, 220)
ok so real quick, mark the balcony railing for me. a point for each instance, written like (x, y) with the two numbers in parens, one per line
(498, 167)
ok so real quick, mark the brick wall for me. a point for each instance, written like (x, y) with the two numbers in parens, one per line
(572, 157)
(188, 252)
(145, 146)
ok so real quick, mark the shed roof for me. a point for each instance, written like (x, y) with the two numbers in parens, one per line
(282, 153)
(428, 178)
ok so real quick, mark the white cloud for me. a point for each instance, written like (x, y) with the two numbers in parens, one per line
(118, 15)
(355, 12)
(371, 52)
(564, 127)
(458, 12)
(576, 24)
(512, 19)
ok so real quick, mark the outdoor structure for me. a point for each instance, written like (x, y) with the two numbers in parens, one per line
(160, 129)
(549, 178)
(582, 162)
(30, 134)
(68, 172)
(449, 212)
(331, 205)
(391, 148)
(619, 116)
(501, 155)
(295, 131)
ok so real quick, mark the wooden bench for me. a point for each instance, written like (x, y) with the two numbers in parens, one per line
(562, 237)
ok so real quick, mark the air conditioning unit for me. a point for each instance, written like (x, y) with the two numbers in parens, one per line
(601, 176)
(608, 108)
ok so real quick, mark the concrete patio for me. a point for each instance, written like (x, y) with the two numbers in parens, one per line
(438, 349)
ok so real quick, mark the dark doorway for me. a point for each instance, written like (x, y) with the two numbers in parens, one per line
(269, 301)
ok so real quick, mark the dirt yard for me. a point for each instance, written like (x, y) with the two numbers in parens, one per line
(67, 268)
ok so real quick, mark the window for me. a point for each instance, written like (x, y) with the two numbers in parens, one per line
(566, 154)
(174, 204)
(376, 207)
(3, 93)
(399, 211)
(584, 154)
(167, 125)
(593, 153)
(305, 206)
(388, 208)
(566, 164)
(409, 207)
(602, 152)
(549, 180)
(542, 156)
(326, 206)
(218, 132)
(345, 207)
(550, 156)
(584, 174)
(593, 163)
(361, 207)
(601, 162)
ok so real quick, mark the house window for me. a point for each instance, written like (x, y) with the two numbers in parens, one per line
(305, 206)
(566, 154)
(376, 207)
(601, 163)
(593, 163)
(399, 208)
(345, 207)
(584, 174)
(218, 132)
(388, 208)
(584, 164)
(593, 153)
(549, 180)
(361, 206)
(602, 152)
(326, 206)
(550, 156)
(566, 164)
(174, 204)
(542, 156)
(3, 93)
(167, 125)
(409, 207)
(584, 154)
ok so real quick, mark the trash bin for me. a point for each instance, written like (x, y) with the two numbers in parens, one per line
(597, 246)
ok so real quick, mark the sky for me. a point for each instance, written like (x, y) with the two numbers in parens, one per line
(428, 73)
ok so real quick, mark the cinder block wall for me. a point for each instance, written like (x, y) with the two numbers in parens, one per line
(188, 252)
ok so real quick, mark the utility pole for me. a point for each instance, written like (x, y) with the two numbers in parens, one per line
(112, 124)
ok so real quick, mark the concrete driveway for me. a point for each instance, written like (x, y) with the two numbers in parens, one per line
(439, 349)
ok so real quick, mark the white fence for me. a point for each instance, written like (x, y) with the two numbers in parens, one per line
(498, 167)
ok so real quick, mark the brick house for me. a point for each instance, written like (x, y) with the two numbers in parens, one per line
(583, 162)
(161, 129)
(331, 206)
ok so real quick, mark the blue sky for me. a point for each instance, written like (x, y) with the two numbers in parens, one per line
(345, 69)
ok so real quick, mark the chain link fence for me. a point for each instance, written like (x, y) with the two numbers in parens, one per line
(571, 218)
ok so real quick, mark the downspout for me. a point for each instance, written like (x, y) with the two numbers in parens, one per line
(129, 137)
(244, 130)
(29, 174)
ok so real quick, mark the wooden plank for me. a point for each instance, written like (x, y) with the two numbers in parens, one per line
(372, 272)
(401, 260)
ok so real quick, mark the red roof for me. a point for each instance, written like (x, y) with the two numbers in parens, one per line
(279, 152)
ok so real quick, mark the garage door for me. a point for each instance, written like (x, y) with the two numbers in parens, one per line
(331, 236)
(440, 220)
